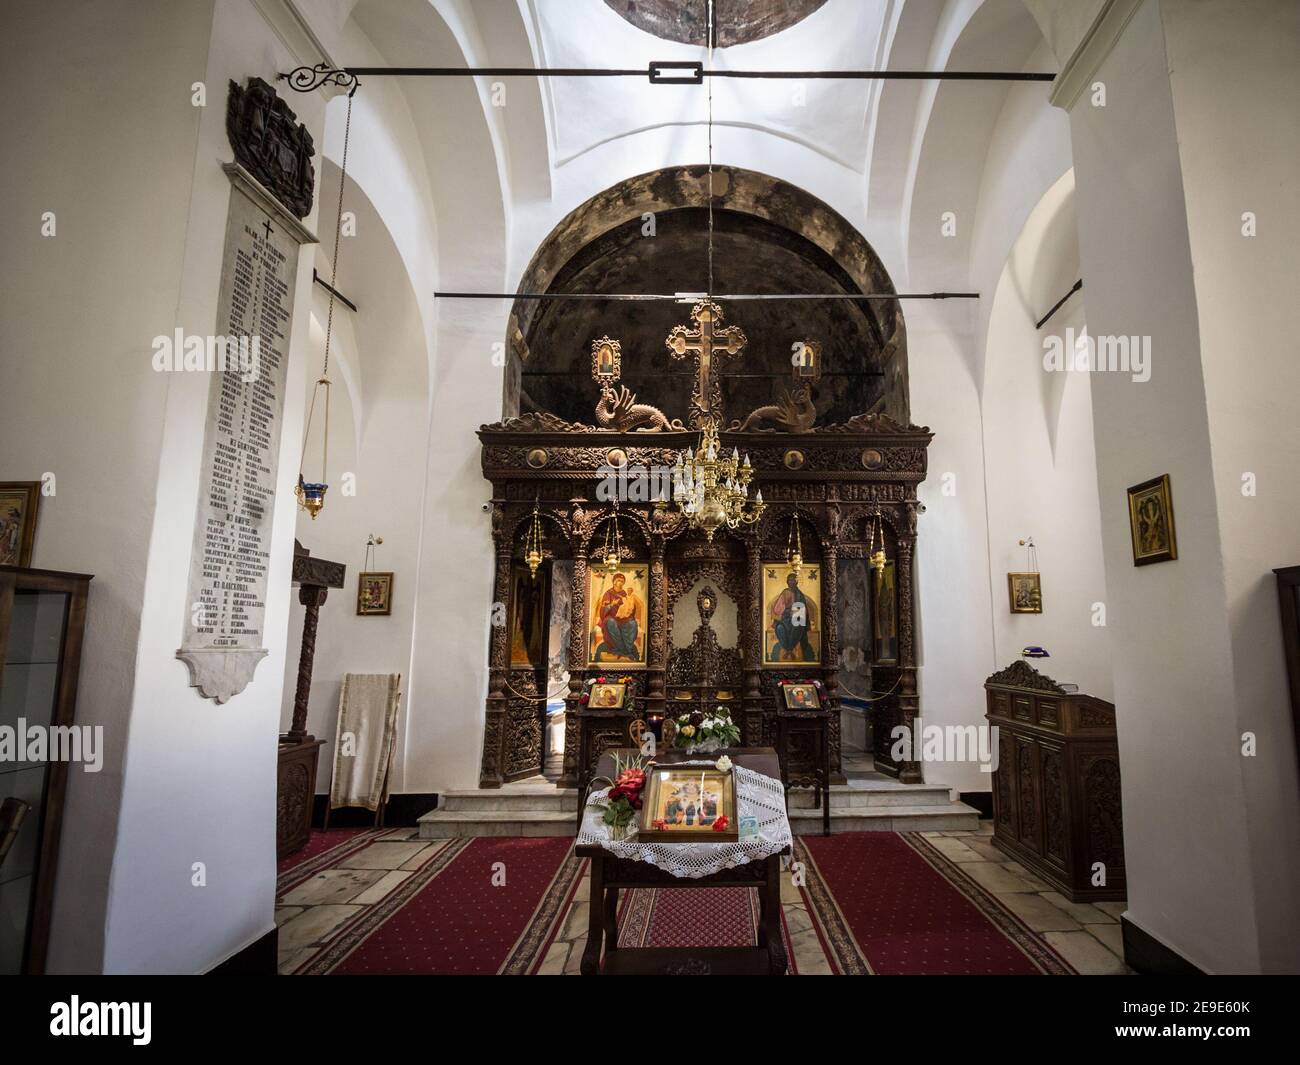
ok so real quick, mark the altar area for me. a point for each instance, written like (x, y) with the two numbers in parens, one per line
(602, 574)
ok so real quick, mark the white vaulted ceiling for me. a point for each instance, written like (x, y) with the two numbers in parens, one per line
(891, 156)
(827, 117)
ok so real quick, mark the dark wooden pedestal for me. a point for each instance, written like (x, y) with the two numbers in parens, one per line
(296, 780)
(815, 772)
(295, 791)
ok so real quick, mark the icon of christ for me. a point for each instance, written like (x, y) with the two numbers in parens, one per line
(792, 629)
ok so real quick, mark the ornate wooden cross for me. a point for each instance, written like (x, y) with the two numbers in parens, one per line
(711, 347)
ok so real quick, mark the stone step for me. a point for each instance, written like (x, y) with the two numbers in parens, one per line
(849, 797)
(450, 824)
(540, 798)
(947, 817)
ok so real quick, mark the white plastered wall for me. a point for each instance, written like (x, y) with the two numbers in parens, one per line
(1164, 171)
(132, 170)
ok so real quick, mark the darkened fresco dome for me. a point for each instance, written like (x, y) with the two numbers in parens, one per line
(735, 21)
(769, 237)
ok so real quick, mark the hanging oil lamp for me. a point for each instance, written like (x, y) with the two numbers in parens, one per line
(613, 546)
(794, 546)
(311, 494)
(1031, 566)
(533, 545)
(877, 546)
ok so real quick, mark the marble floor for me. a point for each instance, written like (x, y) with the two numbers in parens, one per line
(1087, 935)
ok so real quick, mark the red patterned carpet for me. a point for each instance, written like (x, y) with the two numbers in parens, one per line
(878, 902)
(475, 906)
(890, 903)
(714, 917)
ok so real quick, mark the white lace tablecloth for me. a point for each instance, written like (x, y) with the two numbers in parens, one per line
(757, 796)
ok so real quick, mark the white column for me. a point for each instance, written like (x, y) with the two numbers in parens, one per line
(1164, 173)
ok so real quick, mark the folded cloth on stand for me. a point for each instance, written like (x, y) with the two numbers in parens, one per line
(364, 739)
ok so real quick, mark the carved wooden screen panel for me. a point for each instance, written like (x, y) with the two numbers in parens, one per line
(1103, 812)
(524, 748)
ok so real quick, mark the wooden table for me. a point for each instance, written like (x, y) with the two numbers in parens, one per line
(610, 874)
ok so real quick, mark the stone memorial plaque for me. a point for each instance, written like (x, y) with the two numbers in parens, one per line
(225, 603)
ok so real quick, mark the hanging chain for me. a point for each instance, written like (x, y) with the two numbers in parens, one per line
(709, 54)
(329, 317)
(338, 235)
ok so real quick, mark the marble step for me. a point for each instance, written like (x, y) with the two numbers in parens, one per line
(851, 797)
(540, 798)
(945, 817)
(450, 824)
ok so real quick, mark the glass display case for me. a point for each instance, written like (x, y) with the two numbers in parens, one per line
(42, 617)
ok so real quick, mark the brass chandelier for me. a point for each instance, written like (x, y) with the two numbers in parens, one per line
(712, 491)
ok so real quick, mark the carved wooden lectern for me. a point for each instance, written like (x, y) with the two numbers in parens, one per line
(296, 785)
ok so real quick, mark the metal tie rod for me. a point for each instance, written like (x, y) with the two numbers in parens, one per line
(693, 297)
(659, 72)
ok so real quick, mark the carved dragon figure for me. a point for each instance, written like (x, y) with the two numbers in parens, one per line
(621, 412)
(792, 413)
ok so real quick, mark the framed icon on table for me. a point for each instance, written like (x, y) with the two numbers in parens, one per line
(690, 804)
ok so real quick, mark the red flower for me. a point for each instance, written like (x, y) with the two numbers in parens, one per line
(659, 824)
(628, 786)
(632, 779)
(720, 825)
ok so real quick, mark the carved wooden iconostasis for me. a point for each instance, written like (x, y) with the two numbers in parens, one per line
(841, 492)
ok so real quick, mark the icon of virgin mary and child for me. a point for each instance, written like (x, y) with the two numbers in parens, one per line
(617, 623)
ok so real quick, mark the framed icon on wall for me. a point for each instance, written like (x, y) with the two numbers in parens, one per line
(374, 593)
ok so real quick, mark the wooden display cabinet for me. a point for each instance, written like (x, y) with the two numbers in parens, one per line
(1056, 789)
(42, 619)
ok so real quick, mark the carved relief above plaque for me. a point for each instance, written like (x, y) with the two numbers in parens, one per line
(271, 144)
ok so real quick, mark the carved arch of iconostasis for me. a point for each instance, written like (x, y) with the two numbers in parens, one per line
(769, 236)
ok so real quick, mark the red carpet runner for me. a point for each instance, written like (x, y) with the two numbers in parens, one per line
(450, 918)
(890, 903)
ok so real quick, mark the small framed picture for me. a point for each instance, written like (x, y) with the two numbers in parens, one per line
(1151, 522)
(688, 804)
(607, 696)
(801, 697)
(1026, 592)
(18, 503)
(374, 593)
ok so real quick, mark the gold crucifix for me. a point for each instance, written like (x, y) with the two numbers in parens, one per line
(711, 347)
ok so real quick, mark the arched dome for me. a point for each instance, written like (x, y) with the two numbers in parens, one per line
(649, 234)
